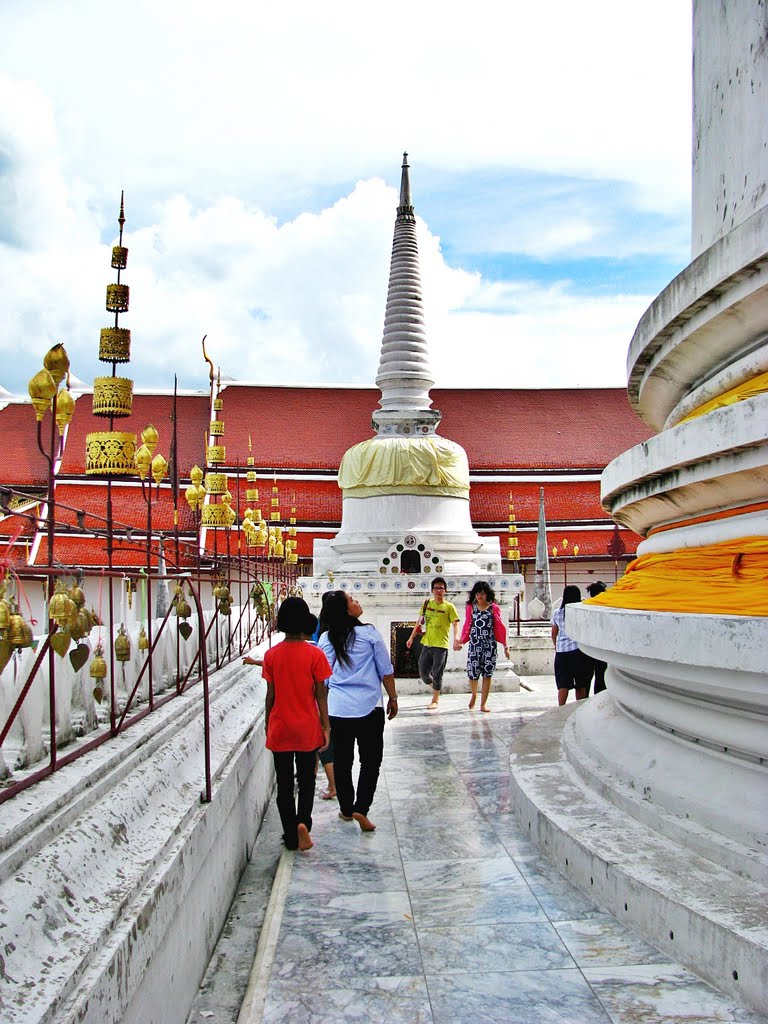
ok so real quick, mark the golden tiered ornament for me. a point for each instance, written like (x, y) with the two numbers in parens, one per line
(111, 452)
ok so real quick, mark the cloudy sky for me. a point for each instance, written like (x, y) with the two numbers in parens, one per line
(259, 147)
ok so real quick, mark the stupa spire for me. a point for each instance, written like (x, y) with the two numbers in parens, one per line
(404, 376)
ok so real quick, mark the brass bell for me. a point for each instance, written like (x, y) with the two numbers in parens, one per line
(80, 625)
(5, 614)
(61, 606)
(143, 641)
(182, 608)
(19, 632)
(77, 595)
(225, 608)
(98, 668)
(122, 645)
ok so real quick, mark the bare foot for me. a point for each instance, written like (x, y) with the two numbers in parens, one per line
(433, 706)
(344, 817)
(472, 700)
(485, 709)
(305, 839)
(328, 795)
(365, 824)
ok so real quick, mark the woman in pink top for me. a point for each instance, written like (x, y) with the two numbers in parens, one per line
(483, 628)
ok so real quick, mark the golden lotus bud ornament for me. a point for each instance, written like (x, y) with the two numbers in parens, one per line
(150, 437)
(159, 468)
(65, 410)
(41, 389)
(143, 460)
(56, 361)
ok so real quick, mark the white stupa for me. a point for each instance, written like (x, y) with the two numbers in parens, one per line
(405, 508)
(406, 490)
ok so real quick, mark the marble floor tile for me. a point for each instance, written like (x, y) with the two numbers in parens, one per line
(490, 872)
(657, 994)
(523, 997)
(562, 901)
(309, 956)
(492, 791)
(375, 873)
(349, 909)
(474, 905)
(401, 1000)
(602, 941)
(430, 812)
(441, 842)
(517, 946)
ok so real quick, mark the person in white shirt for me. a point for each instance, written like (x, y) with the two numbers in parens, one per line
(360, 664)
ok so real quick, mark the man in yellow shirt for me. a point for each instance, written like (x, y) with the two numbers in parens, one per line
(437, 615)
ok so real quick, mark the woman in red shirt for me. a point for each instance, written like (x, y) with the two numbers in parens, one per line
(296, 711)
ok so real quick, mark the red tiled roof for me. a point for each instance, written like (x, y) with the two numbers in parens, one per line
(192, 424)
(590, 542)
(21, 463)
(91, 551)
(24, 524)
(129, 507)
(311, 428)
(563, 501)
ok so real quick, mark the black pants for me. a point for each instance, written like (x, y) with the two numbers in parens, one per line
(368, 732)
(290, 815)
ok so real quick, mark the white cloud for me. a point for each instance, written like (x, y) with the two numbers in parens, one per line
(214, 120)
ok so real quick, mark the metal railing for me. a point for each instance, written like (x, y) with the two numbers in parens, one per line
(54, 704)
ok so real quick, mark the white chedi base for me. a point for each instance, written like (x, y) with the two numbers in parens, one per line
(371, 526)
(681, 741)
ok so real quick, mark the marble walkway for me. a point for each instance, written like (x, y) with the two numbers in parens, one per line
(445, 914)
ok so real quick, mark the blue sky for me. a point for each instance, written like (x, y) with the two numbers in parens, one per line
(260, 147)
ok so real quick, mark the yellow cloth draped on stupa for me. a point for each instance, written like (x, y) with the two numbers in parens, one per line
(729, 578)
(747, 389)
(398, 465)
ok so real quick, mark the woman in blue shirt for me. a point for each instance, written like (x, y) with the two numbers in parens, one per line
(360, 662)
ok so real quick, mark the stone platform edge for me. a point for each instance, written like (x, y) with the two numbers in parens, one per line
(111, 913)
(711, 920)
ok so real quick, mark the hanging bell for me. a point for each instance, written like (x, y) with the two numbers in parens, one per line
(143, 641)
(98, 668)
(77, 596)
(225, 608)
(19, 632)
(61, 606)
(182, 608)
(80, 625)
(122, 645)
(5, 614)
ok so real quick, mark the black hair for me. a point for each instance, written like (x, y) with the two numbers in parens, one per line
(598, 587)
(338, 623)
(438, 579)
(481, 587)
(294, 616)
(571, 595)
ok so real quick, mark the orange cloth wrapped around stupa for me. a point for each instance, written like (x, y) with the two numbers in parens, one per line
(729, 578)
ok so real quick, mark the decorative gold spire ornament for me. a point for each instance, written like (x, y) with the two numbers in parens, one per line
(41, 389)
(110, 452)
(513, 551)
(56, 362)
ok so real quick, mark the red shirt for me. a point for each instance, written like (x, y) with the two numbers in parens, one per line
(293, 667)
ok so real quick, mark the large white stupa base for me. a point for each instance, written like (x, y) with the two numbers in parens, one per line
(653, 797)
(627, 859)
